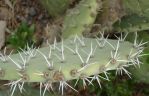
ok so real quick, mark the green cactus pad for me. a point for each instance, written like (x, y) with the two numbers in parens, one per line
(81, 18)
(70, 59)
(137, 6)
(132, 23)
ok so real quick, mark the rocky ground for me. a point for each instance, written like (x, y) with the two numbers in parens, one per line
(30, 11)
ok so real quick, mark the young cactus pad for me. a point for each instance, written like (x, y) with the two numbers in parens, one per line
(73, 58)
(81, 18)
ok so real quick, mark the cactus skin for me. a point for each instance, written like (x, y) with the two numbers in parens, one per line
(37, 70)
(81, 18)
(132, 23)
(142, 74)
(137, 6)
(55, 7)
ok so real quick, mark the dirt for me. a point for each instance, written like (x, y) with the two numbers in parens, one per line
(29, 11)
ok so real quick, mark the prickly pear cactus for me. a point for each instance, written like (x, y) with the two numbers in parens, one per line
(137, 6)
(132, 23)
(73, 58)
(142, 74)
(81, 18)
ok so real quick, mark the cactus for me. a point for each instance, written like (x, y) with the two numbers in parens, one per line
(65, 61)
(137, 6)
(75, 57)
(55, 7)
(142, 74)
(132, 23)
(81, 18)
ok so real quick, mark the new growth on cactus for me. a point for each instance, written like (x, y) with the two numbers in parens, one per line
(81, 18)
(74, 58)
